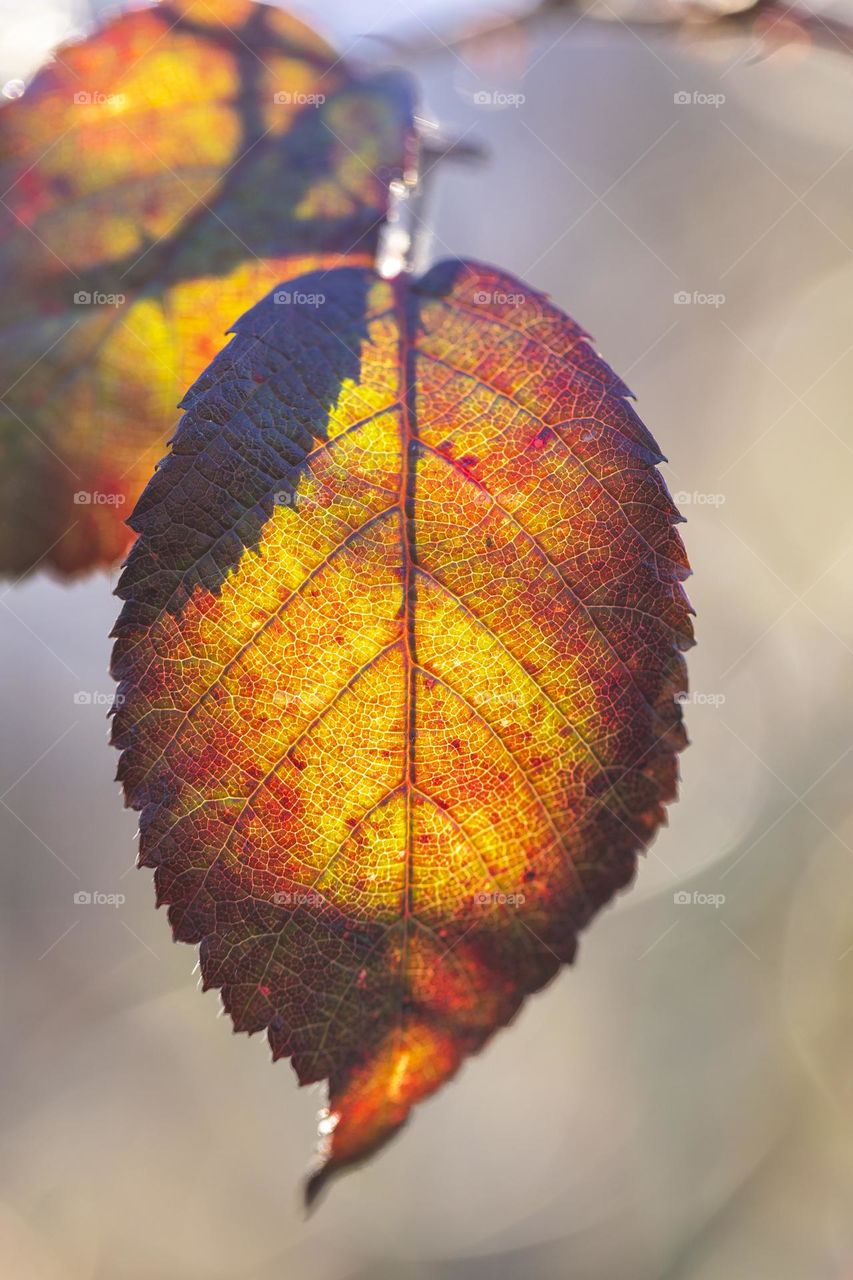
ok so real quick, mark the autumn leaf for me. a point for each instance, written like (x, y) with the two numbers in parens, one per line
(399, 666)
(157, 179)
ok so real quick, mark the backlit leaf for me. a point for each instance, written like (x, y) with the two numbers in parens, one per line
(399, 663)
(155, 180)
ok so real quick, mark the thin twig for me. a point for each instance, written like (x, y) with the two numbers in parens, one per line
(402, 236)
(702, 21)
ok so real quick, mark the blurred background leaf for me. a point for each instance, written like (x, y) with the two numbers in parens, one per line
(156, 177)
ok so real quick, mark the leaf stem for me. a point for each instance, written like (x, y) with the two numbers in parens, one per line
(405, 236)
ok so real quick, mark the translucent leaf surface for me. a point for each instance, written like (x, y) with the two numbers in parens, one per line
(399, 662)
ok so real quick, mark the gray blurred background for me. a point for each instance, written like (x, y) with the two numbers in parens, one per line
(678, 1105)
